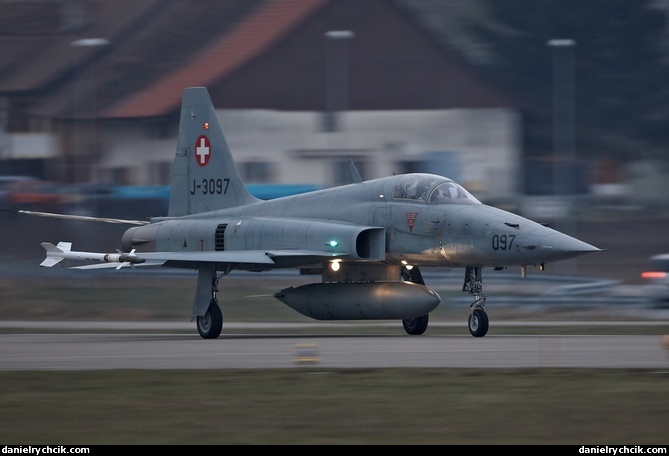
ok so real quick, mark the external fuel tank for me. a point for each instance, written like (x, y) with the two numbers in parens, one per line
(361, 300)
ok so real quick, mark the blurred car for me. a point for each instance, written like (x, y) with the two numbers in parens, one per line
(85, 199)
(33, 194)
(6, 183)
(656, 277)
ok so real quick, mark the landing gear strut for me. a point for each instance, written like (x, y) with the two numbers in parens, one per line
(478, 319)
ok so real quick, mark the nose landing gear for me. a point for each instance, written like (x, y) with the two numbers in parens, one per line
(478, 318)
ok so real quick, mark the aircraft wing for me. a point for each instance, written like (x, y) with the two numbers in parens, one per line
(253, 259)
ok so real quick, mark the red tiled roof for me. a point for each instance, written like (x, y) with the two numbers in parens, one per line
(37, 46)
(247, 40)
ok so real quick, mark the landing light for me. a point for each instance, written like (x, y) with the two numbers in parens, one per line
(407, 266)
(334, 265)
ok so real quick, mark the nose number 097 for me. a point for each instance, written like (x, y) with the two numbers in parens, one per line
(502, 241)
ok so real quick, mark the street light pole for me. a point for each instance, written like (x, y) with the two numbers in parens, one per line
(564, 134)
(337, 76)
(79, 106)
(564, 116)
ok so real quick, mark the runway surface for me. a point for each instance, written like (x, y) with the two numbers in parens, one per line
(72, 350)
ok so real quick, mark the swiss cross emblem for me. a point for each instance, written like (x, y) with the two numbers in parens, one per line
(202, 150)
(411, 219)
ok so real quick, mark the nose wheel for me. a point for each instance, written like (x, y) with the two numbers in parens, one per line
(478, 318)
(478, 322)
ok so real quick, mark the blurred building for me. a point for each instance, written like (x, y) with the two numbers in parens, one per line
(90, 91)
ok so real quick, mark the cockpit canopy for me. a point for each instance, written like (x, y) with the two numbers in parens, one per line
(431, 188)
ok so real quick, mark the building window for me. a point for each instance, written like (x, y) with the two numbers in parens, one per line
(257, 171)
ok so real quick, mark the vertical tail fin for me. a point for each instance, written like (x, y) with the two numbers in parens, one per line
(204, 177)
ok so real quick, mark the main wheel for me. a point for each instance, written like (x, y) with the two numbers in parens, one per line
(416, 326)
(478, 323)
(210, 324)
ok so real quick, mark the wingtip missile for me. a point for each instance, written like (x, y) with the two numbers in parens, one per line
(63, 251)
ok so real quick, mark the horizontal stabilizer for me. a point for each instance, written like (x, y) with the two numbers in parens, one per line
(85, 218)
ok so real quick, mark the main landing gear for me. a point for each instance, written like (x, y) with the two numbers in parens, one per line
(478, 318)
(210, 324)
(417, 325)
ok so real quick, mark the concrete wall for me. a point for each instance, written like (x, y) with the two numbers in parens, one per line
(485, 143)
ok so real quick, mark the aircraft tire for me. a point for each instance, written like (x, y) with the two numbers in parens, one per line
(478, 323)
(210, 324)
(416, 326)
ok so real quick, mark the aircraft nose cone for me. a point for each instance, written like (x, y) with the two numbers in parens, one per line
(558, 246)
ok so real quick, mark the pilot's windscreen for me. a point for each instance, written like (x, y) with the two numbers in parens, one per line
(450, 192)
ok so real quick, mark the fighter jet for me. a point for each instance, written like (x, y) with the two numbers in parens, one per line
(366, 242)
